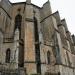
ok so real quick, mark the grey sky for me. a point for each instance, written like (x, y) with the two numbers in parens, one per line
(66, 9)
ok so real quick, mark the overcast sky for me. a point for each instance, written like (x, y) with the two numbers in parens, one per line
(66, 9)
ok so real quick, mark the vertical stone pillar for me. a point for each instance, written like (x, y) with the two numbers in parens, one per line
(16, 48)
(29, 44)
(28, 1)
(1, 44)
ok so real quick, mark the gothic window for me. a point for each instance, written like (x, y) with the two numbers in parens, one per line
(8, 55)
(48, 57)
(56, 49)
(18, 20)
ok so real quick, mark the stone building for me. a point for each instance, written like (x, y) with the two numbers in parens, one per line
(35, 39)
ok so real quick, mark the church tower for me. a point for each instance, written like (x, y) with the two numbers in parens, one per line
(34, 41)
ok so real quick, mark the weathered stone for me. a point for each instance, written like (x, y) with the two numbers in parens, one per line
(30, 32)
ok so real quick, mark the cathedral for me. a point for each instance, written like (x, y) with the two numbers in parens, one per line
(34, 41)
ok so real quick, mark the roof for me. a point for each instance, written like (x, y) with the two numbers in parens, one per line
(25, 3)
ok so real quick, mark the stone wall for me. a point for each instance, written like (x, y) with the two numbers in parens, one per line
(6, 5)
(52, 38)
(66, 70)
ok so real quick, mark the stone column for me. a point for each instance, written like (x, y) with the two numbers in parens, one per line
(1, 44)
(28, 1)
(16, 48)
(29, 44)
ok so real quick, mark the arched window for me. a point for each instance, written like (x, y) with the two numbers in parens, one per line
(48, 57)
(8, 55)
(18, 20)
